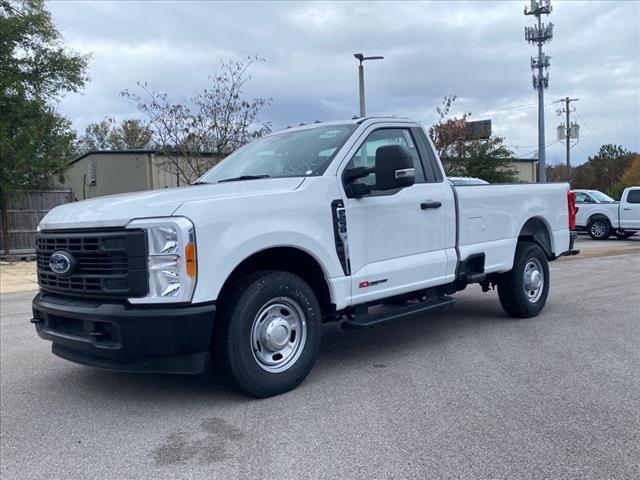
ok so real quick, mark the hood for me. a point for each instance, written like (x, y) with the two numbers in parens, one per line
(118, 210)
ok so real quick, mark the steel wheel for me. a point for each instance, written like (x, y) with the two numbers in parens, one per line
(278, 334)
(533, 280)
(523, 290)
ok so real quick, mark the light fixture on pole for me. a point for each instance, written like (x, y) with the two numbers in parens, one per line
(362, 58)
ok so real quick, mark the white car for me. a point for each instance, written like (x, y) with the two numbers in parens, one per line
(601, 216)
(314, 224)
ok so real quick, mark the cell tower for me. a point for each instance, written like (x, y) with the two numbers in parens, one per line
(539, 35)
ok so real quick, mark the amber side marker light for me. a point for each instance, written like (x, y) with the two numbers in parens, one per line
(190, 256)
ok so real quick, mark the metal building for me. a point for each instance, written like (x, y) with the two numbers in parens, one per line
(108, 172)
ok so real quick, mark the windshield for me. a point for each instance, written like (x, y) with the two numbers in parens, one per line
(601, 197)
(300, 153)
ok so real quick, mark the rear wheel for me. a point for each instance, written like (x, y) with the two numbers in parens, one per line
(523, 290)
(599, 229)
(269, 335)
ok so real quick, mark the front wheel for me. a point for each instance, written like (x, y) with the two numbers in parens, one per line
(269, 334)
(524, 289)
(599, 229)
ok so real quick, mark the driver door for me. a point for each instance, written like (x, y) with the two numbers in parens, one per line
(396, 244)
(630, 210)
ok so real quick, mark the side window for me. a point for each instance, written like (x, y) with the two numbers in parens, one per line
(581, 197)
(429, 159)
(633, 196)
(366, 154)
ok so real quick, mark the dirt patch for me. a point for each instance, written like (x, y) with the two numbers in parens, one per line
(18, 277)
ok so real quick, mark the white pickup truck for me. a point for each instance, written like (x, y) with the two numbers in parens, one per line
(350, 221)
(601, 216)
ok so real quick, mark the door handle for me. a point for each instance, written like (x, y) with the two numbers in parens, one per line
(626, 209)
(430, 204)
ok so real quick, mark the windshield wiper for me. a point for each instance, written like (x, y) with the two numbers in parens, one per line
(200, 183)
(243, 177)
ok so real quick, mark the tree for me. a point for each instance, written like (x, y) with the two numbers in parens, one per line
(448, 137)
(488, 159)
(108, 134)
(35, 71)
(604, 170)
(631, 175)
(131, 135)
(218, 120)
(557, 173)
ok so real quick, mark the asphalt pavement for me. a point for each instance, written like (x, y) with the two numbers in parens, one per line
(463, 393)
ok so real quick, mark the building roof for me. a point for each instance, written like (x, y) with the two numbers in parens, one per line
(130, 152)
(523, 160)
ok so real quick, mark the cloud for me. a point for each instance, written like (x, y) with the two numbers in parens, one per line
(475, 50)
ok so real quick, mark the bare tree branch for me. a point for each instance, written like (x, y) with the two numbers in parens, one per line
(219, 120)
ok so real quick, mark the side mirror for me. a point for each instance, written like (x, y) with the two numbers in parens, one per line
(394, 167)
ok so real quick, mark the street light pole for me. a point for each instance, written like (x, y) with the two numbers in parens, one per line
(361, 58)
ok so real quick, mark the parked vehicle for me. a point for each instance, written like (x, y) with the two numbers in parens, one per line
(601, 216)
(310, 225)
(459, 181)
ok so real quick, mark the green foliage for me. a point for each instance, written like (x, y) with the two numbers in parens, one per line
(604, 170)
(111, 135)
(489, 160)
(35, 143)
(35, 71)
(486, 159)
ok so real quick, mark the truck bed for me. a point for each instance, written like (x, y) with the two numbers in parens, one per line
(491, 217)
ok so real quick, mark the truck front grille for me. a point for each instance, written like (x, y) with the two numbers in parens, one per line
(105, 263)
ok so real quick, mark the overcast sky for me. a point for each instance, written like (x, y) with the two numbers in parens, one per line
(475, 50)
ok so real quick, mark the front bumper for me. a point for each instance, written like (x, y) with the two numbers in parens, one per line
(118, 336)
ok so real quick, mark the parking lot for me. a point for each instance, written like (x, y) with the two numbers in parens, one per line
(463, 393)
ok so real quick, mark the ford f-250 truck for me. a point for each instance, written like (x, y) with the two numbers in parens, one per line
(600, 215)
(349, 221)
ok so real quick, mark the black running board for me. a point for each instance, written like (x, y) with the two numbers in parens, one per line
(371, 320)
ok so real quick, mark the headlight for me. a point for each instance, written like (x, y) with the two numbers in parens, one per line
(171, 259)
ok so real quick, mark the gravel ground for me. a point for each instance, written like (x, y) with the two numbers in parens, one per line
(463, 393)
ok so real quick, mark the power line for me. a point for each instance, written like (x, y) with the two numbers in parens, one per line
(588, 127)
(547, 145)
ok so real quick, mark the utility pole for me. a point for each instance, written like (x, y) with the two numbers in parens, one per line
(362, 58)
(538, 35)
(569, 131)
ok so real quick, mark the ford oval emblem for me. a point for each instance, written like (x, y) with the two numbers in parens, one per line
(60, 262)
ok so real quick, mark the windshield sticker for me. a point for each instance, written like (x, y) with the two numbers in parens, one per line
(330, 134)
(407, 137)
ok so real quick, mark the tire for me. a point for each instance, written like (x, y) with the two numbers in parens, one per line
(599, 229)
(516, 299)
(269, 333)
(624, 235)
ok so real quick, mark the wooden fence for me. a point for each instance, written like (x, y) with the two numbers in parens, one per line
(21, 213)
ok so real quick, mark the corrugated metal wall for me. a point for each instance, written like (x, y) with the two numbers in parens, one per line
(21, 213)
(525, 171)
